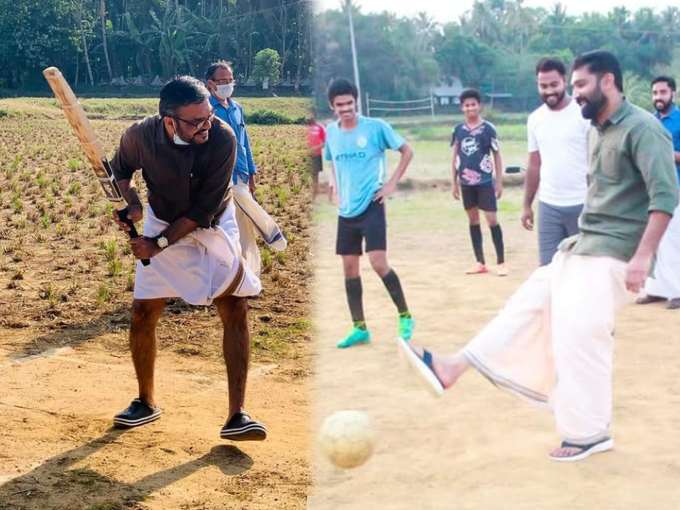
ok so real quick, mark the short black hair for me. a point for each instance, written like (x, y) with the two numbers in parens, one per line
(601, 62)
(181, 91)
(341, 87)
(470, 94)
(220, 64)
(665, 79)
(547, 64)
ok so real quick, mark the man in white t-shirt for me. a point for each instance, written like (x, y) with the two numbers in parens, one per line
(558, 161)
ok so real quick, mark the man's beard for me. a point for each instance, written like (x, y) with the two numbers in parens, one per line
(198, 141)
(664, 106)
(593, 105)
(557, 99)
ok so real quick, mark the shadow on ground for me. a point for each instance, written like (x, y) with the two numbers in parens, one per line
(52, 485)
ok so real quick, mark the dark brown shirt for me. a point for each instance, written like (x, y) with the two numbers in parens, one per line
(189, 181)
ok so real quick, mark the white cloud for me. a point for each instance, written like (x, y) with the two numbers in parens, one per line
(453, 10)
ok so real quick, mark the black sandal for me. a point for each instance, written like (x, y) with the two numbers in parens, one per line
(241, 427)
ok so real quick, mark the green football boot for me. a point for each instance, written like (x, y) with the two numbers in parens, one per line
(406, 325)
(355, 337)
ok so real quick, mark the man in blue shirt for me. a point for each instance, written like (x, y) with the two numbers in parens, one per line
(664, 283)
(250, 217)
(355, 149)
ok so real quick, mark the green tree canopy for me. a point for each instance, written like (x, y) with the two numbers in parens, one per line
(95, 40)
(267, 65)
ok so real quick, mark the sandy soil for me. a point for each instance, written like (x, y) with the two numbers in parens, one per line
(59, 451)
(478, 447)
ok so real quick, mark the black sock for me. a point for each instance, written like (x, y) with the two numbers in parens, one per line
(497, 236)
(476, 236)
(354, 293)
(393, 285)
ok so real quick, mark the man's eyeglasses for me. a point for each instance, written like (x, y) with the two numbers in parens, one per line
(198, 124)
(225, 82)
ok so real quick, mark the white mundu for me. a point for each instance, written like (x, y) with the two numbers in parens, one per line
(665, 280)
(199, 267)
(561, 138)
(252, 220)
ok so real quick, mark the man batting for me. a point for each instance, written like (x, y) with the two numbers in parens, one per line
(552, 343)
(190, 235)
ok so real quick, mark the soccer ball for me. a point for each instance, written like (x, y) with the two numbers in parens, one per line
(347, 439)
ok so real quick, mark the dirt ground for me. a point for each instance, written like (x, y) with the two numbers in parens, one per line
(66, 281)
(478, 447)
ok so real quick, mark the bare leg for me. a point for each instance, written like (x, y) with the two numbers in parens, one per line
(491, 218)
(447, 368)
(350, 265)
(145, 315)
(473, 216)
(378, 260)
(236, 346)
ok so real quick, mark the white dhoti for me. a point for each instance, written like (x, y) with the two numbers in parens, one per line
(253, 220)
(552, 344)
(199, 267)
(665, 279)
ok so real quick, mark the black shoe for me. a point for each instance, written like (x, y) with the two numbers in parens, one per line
(138, 413)
(242, 427)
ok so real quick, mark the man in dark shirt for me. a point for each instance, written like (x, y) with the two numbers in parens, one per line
(476, 154)
(187, 158)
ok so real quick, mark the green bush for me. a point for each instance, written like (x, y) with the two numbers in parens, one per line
(272, 118)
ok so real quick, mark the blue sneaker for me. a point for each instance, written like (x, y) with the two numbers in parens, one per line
(406, 325)
(356, 336)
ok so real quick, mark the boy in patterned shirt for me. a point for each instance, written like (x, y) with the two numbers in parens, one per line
(476, 153)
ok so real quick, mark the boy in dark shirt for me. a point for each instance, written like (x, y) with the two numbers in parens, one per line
(474, 144)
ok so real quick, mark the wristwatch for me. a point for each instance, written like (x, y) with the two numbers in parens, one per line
(162, 241)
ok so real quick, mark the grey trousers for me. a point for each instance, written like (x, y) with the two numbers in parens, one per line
(554, 225)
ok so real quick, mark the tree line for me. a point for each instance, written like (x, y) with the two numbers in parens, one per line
(98, 41)
(493, 46)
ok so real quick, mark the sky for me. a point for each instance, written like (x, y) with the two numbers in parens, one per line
(453, 10)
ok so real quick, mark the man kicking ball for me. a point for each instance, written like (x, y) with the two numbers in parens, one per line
(552, 343)
(355, 149)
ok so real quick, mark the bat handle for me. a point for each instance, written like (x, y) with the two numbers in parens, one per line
(123, 216)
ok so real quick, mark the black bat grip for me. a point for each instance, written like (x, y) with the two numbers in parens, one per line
(123, 216)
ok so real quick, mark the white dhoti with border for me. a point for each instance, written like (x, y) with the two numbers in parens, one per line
(199, 267)
(252, 220)
(665, 279)
(552, 343)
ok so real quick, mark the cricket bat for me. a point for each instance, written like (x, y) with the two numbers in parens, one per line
(90, 144)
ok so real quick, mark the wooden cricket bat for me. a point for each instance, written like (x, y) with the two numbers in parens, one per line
(90, 144)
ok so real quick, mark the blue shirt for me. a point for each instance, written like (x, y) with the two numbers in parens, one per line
(358, 157)
(244, 166)
(672, 123)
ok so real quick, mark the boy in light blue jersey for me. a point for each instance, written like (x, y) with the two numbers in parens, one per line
(355, 149)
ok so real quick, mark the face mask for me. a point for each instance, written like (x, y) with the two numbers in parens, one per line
(177, 139)
(225, 91)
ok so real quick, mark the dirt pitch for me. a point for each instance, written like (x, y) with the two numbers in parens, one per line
(65, 292)
(479, 448)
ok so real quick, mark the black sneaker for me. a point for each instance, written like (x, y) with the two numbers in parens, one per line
(242, 427)
(138, 413)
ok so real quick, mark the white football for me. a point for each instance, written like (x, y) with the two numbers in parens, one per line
(347, 438)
